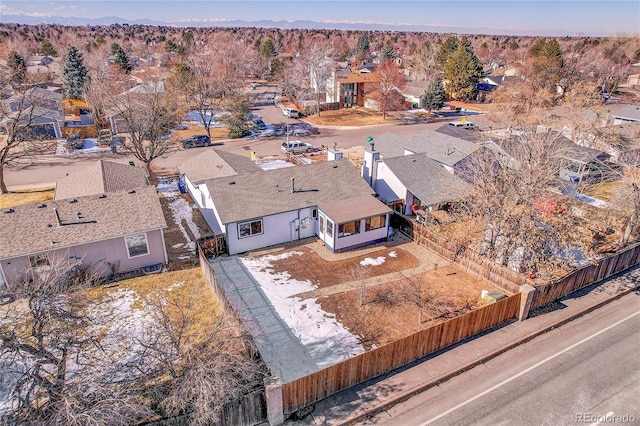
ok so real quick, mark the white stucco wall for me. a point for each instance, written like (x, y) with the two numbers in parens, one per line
(362, 238)
(387, 185)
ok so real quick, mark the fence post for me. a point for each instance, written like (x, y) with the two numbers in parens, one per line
(273, 395)
(526, 297)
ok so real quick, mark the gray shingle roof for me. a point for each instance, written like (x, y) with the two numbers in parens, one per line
(442, 148)
(99, 178)
(357, 208)
(427, 179)
(630, 112)
(268, 192)
(213, 164)
(33, 229)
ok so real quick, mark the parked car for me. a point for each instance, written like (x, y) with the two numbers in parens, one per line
(296, 147)
(290, 112)
(195, 141)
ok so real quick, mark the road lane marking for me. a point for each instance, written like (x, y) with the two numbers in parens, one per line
(523, 372)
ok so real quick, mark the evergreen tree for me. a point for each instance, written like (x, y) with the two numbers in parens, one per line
(17, 66)
(122, 60)
(74, 74)
(362, 48)
(47, 49)
(462, 71)
(547, 55)
(387, 52)
(447, 49)
(434, 95)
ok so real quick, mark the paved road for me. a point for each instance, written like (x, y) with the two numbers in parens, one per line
(576, 374)
(47, 169)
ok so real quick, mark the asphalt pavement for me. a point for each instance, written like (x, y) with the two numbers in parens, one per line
(357, 404)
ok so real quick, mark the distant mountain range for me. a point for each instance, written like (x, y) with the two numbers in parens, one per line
(303, 24)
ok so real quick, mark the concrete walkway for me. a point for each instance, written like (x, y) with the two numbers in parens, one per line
(356, 404)
(280, 349)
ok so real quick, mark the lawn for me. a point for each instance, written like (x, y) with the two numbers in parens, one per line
(349, 117)
(15, 199)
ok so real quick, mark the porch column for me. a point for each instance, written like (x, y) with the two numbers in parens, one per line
(273, 394)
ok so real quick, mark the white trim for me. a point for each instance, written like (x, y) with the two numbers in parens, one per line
(146, 242)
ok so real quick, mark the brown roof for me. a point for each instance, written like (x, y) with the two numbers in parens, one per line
(356, 208)
(213, 164)
(365, 77)
(34, 228)
(99, 178)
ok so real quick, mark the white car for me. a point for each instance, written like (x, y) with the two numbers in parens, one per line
(296, 147)
(290, 112)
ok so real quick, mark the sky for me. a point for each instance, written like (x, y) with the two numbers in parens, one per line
(562, 17)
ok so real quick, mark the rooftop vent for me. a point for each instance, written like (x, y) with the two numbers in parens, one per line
(102, 196)
(132, 191)
(73, 201)
(42, 206)
(232, 182)
(9, 211)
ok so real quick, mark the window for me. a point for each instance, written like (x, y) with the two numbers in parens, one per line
(349, 228)
(249, 229)
(39, 260)
(374, 222)
(321, 225)
(330, 228)
(314, 213)
(137, 245)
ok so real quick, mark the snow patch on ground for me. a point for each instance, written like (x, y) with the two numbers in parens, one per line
(328, 341)
(181, 211)
(393, 254)
(368, 261)
(275, 164)
(90, 146)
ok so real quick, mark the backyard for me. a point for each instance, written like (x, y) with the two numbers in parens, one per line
(378, 294)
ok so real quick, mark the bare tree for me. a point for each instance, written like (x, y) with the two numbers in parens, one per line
(196, 363)
(146, 113)
(19, 138)
(627, 200)
(54, 368)
(314, 69)
(389, 80)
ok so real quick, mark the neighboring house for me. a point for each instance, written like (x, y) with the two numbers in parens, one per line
(116, 122)
(347, 88)
(470, 134)
(622, 142)
(630, 113)
(39, 111)
(100, 178)
(329, 200)
(212, 164)
(581, 164)
(114, 232)
(37, 60)
(413, 92)
(415, 180)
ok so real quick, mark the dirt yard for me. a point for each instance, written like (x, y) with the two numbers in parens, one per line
(384, 294)
(349, 117)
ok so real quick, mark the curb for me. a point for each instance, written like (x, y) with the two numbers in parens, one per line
(445, 377)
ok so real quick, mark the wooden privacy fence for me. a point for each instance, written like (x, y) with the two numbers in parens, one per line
(585, 276)
(496, 274)
(248, 410)
(314, 387)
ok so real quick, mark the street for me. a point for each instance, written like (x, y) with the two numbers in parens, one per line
(587, 371)
(45, 170)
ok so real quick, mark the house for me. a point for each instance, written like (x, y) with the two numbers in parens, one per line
(212, 164)
(581, 164)
(413, 92)
(106, 233)
(415, 182)
(79, 118)
(621, 141)
(347, 88)
(38, 112)
(119, 124)
(101, 177)
(468, 131)
(630, 113)
(329, 200)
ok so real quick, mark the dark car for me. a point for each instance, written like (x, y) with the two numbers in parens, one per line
(196, 141)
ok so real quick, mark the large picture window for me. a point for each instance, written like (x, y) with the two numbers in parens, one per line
(374, 222)
(137, 245)
(349, 228)
(249, 229)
